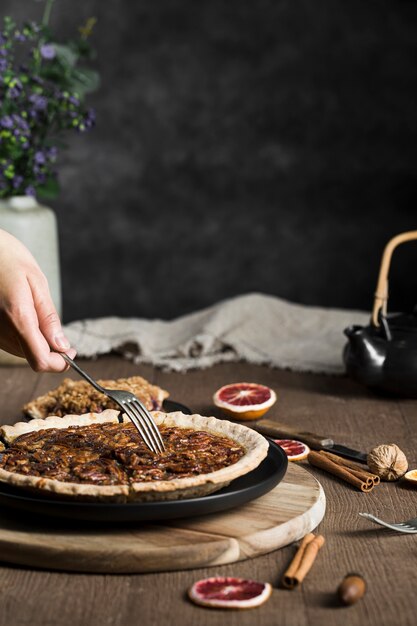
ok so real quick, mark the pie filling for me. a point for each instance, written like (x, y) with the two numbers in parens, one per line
(115, 454)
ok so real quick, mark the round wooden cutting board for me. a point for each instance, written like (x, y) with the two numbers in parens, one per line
(285, 514)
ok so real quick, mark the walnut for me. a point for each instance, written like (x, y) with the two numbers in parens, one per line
(387, 461)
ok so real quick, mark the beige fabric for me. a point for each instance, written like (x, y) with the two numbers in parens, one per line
(257, 328)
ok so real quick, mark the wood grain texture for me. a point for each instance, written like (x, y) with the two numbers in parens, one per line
(292, 509)
(329, 405)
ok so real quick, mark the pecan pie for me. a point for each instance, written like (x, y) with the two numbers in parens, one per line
(78, 397)
(95, 457)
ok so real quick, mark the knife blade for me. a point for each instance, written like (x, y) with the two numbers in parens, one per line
(276, 430)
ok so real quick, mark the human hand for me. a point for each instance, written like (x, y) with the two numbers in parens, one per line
(29, 324)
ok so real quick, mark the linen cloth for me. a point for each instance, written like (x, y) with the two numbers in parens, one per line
(258, 328)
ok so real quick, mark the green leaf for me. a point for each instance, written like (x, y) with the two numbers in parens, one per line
(49, 190)
(9, 25)
(15, 153)
(65, 54)
(84, 81)
(84, 49)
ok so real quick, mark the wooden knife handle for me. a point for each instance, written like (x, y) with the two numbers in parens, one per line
(282, 431)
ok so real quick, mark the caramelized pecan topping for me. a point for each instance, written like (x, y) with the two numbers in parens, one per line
(114, 454)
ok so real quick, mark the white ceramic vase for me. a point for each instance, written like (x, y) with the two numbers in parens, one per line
(36, 227)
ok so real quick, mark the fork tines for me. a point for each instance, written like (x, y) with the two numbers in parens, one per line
(409, 526)
(144, 423)
(151, 428)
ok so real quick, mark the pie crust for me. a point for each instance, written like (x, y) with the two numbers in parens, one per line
(77, 397)
(254, 445)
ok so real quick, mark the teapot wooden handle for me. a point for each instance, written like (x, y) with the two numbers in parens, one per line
(381, 294)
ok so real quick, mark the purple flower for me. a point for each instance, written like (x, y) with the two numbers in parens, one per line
(40, 158)
(20, 122)
(6, 121)
(47, 51)
(41, 178)
(90, 119)
(39, 102)
(33, 108)
(52, 153)
(17, 181)
(15, 88)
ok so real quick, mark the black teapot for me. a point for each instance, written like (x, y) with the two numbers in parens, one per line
(383, 355)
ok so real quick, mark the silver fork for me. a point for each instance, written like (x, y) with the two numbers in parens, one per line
(131, 405)
(409, 526)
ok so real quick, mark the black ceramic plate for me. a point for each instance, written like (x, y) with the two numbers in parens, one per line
(170, 406)
(244, 489)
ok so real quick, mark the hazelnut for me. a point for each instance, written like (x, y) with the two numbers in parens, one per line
(351, 589)
(387, 461)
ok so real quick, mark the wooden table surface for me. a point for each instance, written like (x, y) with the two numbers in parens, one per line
(327, 405)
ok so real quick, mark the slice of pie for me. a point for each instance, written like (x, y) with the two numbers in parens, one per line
(78, 397)
(94, 457)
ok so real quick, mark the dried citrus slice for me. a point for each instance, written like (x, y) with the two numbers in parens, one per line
(229, 593)
(295, 450)
(244, 401)
(411, 476)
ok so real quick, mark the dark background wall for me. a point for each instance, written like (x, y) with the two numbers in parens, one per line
(241, 145)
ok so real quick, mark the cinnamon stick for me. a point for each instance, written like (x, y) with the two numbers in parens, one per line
(352, 466)
(295, 563)
(356, 471)
(324, 463)
(302, 561)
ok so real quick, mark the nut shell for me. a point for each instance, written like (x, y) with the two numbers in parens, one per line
(351, 589)
(387, 461)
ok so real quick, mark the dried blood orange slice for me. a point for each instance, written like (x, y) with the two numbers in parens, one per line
(295, 450)
(229, 593)
(244, 401)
